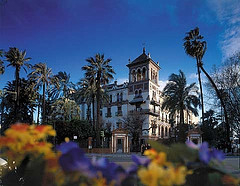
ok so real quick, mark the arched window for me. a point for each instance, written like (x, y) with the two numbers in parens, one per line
(139, 75)
(136, 93)
(144, 73)
(117, 97)
(121, 96)
(110, 99)
(166, 131)
(140, 93)
(162, 131)
(133, 76)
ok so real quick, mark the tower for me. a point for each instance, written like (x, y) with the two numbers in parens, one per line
(143, 90)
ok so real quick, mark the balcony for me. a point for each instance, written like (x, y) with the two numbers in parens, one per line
(119, 113)
(108, 115)
(145, 111)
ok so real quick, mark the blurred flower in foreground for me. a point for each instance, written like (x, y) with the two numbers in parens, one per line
(205, 153)
(161, 172)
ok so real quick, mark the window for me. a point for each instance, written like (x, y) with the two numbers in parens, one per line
(144, 73)
(140, 93)
(121, 96)
(138, 75)
(166, 131)
(108, 114)
(136, 93)
(110, 99)
(162, 131)
(119, 124)
(119, 112)
(133, 76)
(117, 97)
(162, 116)
(166, 119)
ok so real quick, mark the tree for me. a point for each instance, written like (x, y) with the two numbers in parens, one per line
(227, 79)
(134, 124)
(42, 75)
(98, 70)
(62, 86)
(209, 127)
(2, 69)
(65, 109)
(16, 59)
(25, 103)
(87, 92)
(195, 47)
(179, 97)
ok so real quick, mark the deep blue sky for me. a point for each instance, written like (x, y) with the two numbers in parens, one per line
(63, 33)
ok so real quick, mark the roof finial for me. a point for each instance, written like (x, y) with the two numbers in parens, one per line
(144, 48)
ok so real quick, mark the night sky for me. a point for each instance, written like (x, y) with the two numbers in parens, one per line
(63, 33)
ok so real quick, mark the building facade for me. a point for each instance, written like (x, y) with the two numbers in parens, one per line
(140, 94)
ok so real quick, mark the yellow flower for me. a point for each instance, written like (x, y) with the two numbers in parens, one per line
(157, 157)
(229, 180)
(156, 174)
(149, 176)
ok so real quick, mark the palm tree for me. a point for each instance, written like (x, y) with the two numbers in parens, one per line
(62, 85)
(42, 75)
(196, 48)
(2, 69)
(87, 92)
(179, 97)
(98, 70)
(16, 59)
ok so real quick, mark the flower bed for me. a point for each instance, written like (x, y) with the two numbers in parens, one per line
(32, 161)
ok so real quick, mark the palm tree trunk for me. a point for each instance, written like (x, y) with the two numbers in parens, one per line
(224, 108)
(43, 104)
(38, 110)
(93, 113)
(98, 112)
(17, 93)
(201, 92)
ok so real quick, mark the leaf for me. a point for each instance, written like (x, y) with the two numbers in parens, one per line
(158, 146)
(182, 154)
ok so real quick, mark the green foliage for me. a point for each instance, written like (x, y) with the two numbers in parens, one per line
(176, 153)
(79, 128)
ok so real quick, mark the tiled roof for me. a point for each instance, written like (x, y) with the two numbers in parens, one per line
(142, 57)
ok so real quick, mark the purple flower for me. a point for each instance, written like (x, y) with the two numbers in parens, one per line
(204, 153)
(132, 169)
(140, 161)
(75, 160)
(65, 147)
(217, 154)
(110, 171)
(192, 145)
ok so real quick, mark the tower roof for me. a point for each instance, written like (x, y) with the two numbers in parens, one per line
(142, 58)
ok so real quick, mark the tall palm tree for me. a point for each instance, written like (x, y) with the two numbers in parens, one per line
(62, 85)
(2, 69)
(196, 48)
(87, 93)
(42, 75)
(17, 59)
(179, 97)
(98, 70)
